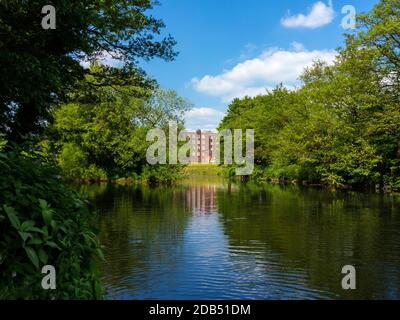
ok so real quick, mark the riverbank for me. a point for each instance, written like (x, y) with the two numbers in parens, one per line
(209, 170)
(202, 170)
(191, 170)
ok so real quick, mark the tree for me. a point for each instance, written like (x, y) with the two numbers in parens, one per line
(342, 125)
(101, 133)
(375, 49)
(40, 66)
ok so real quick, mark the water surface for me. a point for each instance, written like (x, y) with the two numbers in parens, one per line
(210, 239)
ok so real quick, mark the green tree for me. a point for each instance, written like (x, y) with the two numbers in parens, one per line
(101, 133)
(342, 125)
(39, 67)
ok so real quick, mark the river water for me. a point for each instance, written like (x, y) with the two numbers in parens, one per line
(207, 238)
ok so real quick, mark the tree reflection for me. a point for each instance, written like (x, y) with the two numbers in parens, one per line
(319, 232)
(210, 238)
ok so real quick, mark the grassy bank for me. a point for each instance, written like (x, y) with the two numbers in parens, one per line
(202, 170)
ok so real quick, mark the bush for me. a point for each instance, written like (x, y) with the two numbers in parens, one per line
(74, 165)
(42, 222)
(3, 142)
(287, 173)
(72, 161)
(228, 171)
(164, 174)
(391, 182)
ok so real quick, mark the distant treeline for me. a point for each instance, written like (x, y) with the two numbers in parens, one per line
(342, 126)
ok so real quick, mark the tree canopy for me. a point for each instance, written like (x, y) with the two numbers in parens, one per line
(101, 132)
(39, 67)
(342, 126)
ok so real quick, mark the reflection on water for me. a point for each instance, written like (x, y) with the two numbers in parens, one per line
(208, 239)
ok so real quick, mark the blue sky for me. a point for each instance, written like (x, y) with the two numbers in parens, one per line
(232, 48)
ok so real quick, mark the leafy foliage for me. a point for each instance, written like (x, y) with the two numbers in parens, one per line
(42, 222)
(40, 66)
(101, 134)
(164, 174)
(98, 133)
(342, 127)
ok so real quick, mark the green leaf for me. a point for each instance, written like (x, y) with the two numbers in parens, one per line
(35, 240)
(32, 256)
(12, 216)
(53, 224)
(24, 235)
(43, 204)
(52, 244)
(43, 256)
(45, 232)
(47, 216)
(37, 230)
(27, 225)
(100, 254)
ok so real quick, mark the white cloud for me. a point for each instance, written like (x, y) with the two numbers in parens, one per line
(203, 112)
(203, 118)
(320, 14)
(297, 46)
(249, 92)
(252, 77)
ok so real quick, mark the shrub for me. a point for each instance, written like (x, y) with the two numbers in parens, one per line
(42, 222)
(228, 171)
(3, 142)
(288, 172)
(72, 161)
(161, 174)
(74, 165)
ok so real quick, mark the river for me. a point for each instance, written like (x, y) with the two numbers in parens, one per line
(206, 238)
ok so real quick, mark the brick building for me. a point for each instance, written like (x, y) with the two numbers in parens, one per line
(203, 146)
